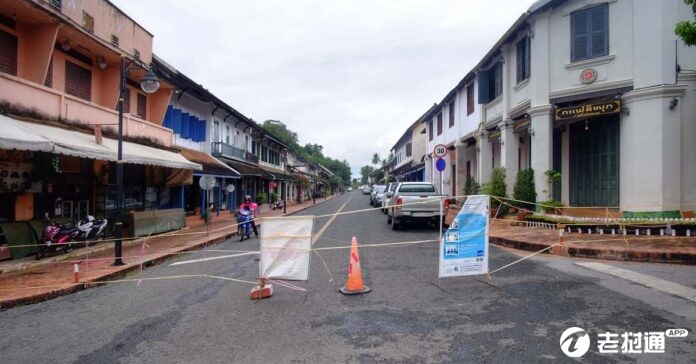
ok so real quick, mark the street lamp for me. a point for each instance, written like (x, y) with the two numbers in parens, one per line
(149, 84)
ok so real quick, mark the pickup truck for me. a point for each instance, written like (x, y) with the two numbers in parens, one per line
(414, 201)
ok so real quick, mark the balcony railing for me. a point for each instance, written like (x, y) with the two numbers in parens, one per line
(220, 149)
(58, 105)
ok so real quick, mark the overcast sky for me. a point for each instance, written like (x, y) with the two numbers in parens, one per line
(350, 75)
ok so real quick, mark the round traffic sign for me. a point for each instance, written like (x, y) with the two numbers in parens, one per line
(440, 150)
(440, 164)
(207, 182)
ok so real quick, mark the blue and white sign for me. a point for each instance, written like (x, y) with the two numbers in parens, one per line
(440, 164)
(464, 246)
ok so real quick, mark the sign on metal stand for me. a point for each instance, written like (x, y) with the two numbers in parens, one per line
(206, 183)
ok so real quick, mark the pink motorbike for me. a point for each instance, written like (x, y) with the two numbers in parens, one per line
(55, 237)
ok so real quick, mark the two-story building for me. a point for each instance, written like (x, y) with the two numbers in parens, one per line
(584, 88)
(59, 93)
(409, 153)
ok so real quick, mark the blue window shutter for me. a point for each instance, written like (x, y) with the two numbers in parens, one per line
(185, 125)
(201, 131)
(483, 87)
(168, 117)
(176, 121)
(193, 125)
(599, 30)
(579, 49)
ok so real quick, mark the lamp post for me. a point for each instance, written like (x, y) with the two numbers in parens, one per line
(149, 84)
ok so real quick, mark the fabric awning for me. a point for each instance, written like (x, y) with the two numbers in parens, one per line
(84, 145)
(278, 175)
(246, 169)
(211, 165)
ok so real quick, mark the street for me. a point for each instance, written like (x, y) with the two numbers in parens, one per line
(410, 315)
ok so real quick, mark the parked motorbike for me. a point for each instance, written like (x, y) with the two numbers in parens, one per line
(90, 228)
(277, 205)
(245, 223)
(55, 237)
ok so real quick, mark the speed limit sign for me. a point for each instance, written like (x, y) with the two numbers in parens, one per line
(440, 150)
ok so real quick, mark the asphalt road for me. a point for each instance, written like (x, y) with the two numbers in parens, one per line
(410, 315)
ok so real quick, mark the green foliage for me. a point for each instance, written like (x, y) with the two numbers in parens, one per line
(261, 198)
(496, 186)
(365, 173)
(551, 177)
(274, 197)
(550, 205)
(470, 186)
(524, 189)
(686, 29)
(375, 159)
(281, 131)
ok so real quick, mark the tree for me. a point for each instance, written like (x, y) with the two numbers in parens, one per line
(686, 29)
(375, 159)
(365, 173)
(279, 130)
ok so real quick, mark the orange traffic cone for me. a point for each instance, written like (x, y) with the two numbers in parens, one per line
(355, 284)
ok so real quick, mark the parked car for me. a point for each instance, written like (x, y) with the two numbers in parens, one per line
(366, 190)
(385, 200)
(350, 189)
(414, 201)
(376, 195)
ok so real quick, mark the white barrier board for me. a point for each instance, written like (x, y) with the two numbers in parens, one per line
(464, 246)
(285, 248)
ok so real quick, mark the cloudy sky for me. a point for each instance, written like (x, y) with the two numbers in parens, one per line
(350, 75)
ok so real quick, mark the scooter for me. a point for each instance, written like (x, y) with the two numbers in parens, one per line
(277, 205)
(54, 237)
(245, 223)
(91, 228)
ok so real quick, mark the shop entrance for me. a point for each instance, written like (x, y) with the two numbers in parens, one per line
(594, 162)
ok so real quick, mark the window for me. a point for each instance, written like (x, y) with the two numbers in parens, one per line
(8, 53)
(216, 131)
(126, 100)
(88, 22)
(523, 58)
(264, 153)
(78, 81)
(451, 114)
(409, 149)
(142, 106)
(430, 130)
(496, 82)
(48, 82)
(470, 99)
(424, 188)
(439, 123)
(589, 33)
(227, 134)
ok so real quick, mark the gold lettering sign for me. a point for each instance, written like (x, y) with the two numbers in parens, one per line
(494, 135)
(521, 125)
(589, 110)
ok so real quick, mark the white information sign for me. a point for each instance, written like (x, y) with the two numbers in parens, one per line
(286, 244)
(464, 246)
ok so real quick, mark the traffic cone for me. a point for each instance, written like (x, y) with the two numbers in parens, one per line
(355, 284)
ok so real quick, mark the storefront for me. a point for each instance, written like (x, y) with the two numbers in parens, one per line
(591, 131)
(221, 197)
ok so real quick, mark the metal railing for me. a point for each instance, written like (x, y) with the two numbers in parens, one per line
(220, 149)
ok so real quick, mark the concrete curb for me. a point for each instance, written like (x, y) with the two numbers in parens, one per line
(94, 282)
(581, 251)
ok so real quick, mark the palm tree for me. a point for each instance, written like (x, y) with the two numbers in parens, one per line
(375, 159)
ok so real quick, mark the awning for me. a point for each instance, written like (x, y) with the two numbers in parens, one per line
(210, 164)
(246, 169)
(84, 145)
(278, 175)
(414, 169)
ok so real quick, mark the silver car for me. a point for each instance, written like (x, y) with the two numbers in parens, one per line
(384, 202)
(376, 195)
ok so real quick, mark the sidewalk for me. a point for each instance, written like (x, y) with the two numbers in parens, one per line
(27, 280)
(656, 249)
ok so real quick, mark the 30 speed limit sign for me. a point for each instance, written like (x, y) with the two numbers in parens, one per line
(440, 150)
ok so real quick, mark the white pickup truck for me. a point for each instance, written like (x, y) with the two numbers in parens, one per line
(414, 201)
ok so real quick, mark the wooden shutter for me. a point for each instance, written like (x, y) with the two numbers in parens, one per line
(598, 20)
(142, 106)
(409, 149)
(483, 87)
(579, 37)
(520, 61)
(470, 99)
(439, 123)
(8, 53)
(78, 81)
(430, 130)
(451, 114)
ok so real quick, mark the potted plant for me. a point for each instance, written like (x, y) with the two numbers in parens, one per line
(261, 198)
(552, 206)
(496, 187)
(274, 197)
(524, 191)
(470, 186)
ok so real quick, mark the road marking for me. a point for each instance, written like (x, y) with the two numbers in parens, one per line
(212, 258)
(644, 279)
(321, 232)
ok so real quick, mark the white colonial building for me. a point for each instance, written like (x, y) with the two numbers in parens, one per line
(601, 91)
